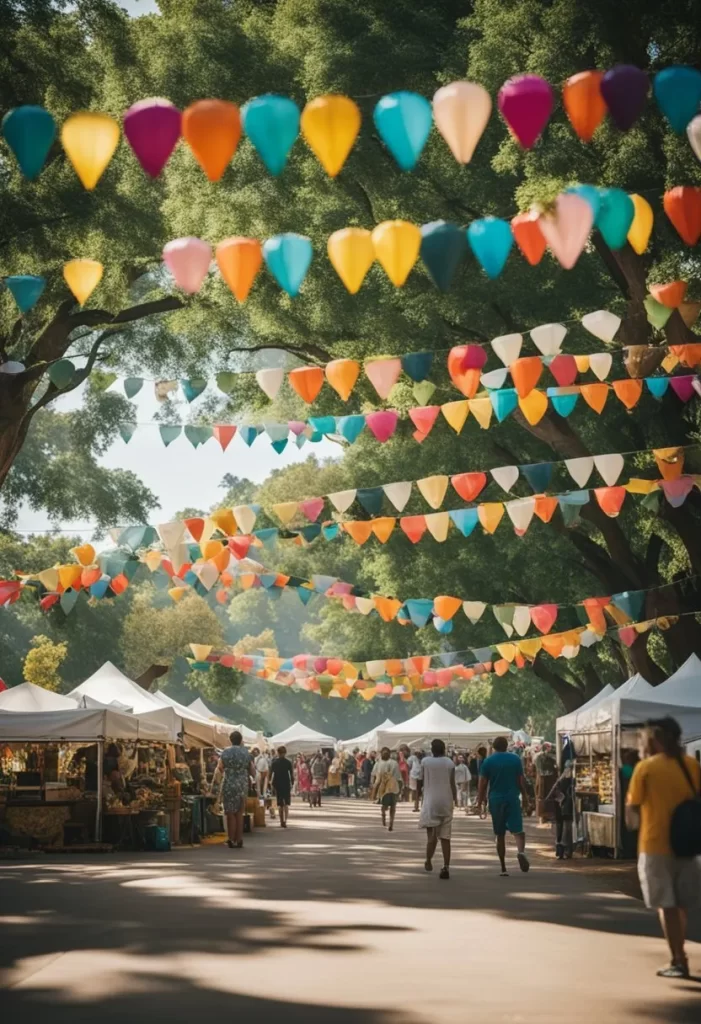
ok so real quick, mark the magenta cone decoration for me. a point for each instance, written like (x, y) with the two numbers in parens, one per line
(625, 90)
(152, 128)
(382, 423)
(526, 103)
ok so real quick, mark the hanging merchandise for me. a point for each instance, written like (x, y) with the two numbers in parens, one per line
(90, 140)
(152, 129)
(212, 129)
(330, 125)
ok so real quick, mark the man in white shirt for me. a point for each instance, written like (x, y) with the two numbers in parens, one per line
(462, 781)
(415, 783)
(440, 797)
(262, 763)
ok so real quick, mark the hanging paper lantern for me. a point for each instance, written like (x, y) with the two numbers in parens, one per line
(26, 290)
(272, 124)
(90, 140)
(342, 375)
(29, 132)
(188, 260)
(330, 124)
(678, 93)
(683, 207)
(615, 216)
(583, 102)
(383, 375)
(307, 382)
(397, 244)
(239, 260)
(602, 324)
(625, 90)
(693, 131)
(641, 227)
(82, 277)
(403, 120)
(152, 128)
(529, 237)
(352, 253)
(461, 111)
(212, 129)
(526, 103)
(288, 257)
(443, 246)
(566, 228)
(670, 295)
(464, 365)
(490, 240)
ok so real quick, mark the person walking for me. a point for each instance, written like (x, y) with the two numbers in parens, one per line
(404, 769)
(415, 781)
(563, 795)
(462, 782)
(671, 884)
(236, 765)
(320, 769)
(546, 777)
(502, 774)
(387, 785)
(282, 777)
(262, 763)
(439, 799)
(304, 779)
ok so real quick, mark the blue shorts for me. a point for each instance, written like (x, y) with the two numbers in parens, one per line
(506, 816)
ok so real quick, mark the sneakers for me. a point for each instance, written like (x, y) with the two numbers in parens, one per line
(428, 866)
(444, 873)
(674, 971)
(523, 862)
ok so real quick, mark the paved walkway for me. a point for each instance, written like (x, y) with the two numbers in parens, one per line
(332, 922)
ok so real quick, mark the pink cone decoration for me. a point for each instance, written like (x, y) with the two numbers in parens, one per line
(152, 128)
(312, 508)
(564, 369)
(475, 357)
(544, 616)
(526, 103)
(677, 491)
(567, 228)
(424, 417)
(383, 375)
(382, 424)
(683, 387)
(296, 426)
(188, 260)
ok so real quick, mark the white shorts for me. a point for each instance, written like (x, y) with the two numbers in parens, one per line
(443, 826)
(669, 881)
(413, 783)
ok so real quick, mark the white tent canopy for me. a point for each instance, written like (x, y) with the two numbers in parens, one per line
(434, 722)
(109, 684)
(599, 709)
(484, 729)
(368, 740)
(28, 697)
(78, 725)
(684, 686)
(205, 730)
(300, 739)
(249, 735)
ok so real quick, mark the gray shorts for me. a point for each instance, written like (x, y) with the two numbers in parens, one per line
(669, 881)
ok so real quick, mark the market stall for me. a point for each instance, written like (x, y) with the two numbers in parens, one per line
(54, 766)
(601, 736)
(300, 739)
(431, 723)
(367, 740)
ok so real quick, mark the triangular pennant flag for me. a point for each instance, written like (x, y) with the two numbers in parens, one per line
(383, 374)
(127, 431)
(359, 530)
(169, 433)
(595, 395)
(474, 610)
(610, 467)
(610, 499)
(455, 414)
(433, 489)
(505, 476)
(503, 402)
(490, 515)
(132, 386)
(520, 512)
(245, 516)
(545, 507)
(468, 485)
(580, 469)
(495, 379)
(465, 519)
(371, 499)
(424, 418)
(600, 364)
(414, 527)
(504, 615)
(544, 617)
(630, 602)
(677, 491)
(534, 406)
(342, 500)
(224, 435)
(508, 347)
(481, 409)
(423, 391)
(522, 619)
(564, 369)
(312, 508)
(437, 524)
(383, 528)
(398, 494)
(563, 400)
(628, 392)
(538, 475)
(417, 365)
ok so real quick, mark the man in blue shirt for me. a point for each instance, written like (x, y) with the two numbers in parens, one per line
(503, 774)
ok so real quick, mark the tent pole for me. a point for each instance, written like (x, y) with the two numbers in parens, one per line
(100, 770)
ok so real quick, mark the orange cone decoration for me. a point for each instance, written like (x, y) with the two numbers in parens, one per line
(307, 382)
(545, 507)
(342, 375)
(584, 105)
(683, 207)
(628, 391)
(239, 260)
(529, 237)
(525, 373)
(414, 527)
(595, 395)
(670, 295)
(212, 129)
(359, 530)
(610, 499)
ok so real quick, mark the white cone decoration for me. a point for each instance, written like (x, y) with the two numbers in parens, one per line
(364, 605)
(610, 467)
(520, 512)
(12, 367)
(693, 131)
(207, 574)
(208, 530)
(171, 534)
(494, 379)
(570, 652)
(245, 518)
(602, 324)
(277, 431)
(179, 554)
(270, 382)
(508, 347)
(505, 476)
(474, 610)
(548, 338)
(398, 494)
(580, 469)
(375, 668)
(600, 364)
(522, 619)
(588, 638)
(342, 501)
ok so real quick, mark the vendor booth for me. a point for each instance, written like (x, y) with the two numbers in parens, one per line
(300, 739)
(434, 722)
(601, 736)
(367, 740)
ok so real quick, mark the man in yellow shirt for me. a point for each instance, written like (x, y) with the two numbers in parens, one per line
(670, 884)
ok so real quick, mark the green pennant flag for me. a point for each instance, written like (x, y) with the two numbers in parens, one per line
(132, 386)
(127, 431)
(61, 373)
(169, 433)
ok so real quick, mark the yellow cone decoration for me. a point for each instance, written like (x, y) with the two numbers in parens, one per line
(330, 124)
(641, 228)
(82, 277)
(90, 140)
(351, 253)
(397, 244)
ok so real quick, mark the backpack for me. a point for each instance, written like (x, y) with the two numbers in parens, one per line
(685, 828)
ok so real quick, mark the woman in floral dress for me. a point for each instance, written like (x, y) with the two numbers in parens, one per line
(304, 778)
(236, 765)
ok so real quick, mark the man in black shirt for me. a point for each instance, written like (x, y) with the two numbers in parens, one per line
(282, 778)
